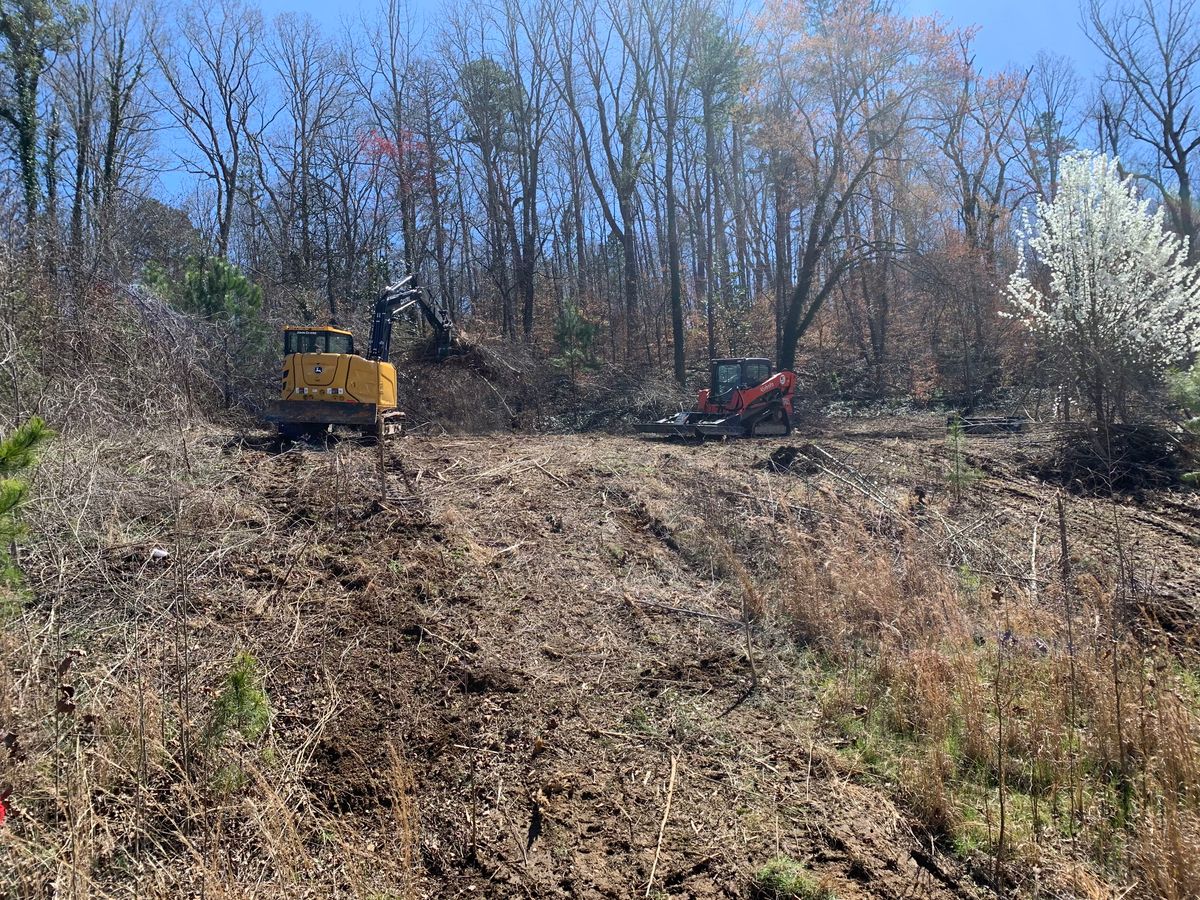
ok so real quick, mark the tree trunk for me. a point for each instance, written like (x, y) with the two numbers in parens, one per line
(673, 261)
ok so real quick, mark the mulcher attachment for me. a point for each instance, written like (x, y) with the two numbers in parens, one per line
(700, 424)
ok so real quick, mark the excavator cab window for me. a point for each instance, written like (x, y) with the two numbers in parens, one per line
(316, 342)
(303, 342)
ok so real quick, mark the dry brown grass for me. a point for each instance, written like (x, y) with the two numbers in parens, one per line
(1040, 730)
(1065, 744)
(108, 683)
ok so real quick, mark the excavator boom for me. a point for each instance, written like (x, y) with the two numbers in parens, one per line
(395, 300)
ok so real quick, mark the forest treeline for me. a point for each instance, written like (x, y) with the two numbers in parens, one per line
(652, 182)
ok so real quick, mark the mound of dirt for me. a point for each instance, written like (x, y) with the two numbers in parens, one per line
(501, 665)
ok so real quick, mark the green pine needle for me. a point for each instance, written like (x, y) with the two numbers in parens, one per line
(242, 704)
(18, 453)
(20, 449)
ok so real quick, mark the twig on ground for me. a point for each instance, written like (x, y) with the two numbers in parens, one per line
(663, 826)
(684, 611)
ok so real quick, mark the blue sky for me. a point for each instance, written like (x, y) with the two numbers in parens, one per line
(1013, 31)
(1010, 31)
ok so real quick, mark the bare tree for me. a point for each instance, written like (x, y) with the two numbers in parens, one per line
(535, 104)
(604, 55)
(100, 86)
(977, 130)
(31, 33)
(1049, 119)
(386, 71)
(316, 95)
(1153, 51)
(716, 76)
(842, 87)
(214, 93)
(668, 27)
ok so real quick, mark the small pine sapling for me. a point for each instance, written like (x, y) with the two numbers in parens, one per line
(960, 474)
(575, 336)
(18, 454)
(241, 707)
(1185, 392)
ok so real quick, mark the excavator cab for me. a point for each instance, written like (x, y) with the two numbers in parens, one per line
(317, 339)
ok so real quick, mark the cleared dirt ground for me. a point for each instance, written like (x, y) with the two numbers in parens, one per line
(537, 627)
(517, 666)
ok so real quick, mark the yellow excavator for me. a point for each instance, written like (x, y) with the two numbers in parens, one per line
(326, 383)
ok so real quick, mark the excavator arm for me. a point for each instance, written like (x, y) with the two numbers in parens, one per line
(395, 300)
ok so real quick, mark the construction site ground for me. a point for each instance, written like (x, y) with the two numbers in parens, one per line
(518, 665)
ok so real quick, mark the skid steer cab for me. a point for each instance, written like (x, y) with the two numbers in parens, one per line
(745, 398)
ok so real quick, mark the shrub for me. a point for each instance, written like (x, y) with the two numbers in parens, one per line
(226, 300)
(783, 878)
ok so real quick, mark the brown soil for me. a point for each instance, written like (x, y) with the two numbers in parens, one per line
(506, 623)
(495, 667)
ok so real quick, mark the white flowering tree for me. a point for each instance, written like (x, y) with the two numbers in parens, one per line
(1105, 283)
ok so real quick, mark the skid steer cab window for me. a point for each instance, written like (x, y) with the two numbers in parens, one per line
(340, 343)
(757, 371)
(726, 377)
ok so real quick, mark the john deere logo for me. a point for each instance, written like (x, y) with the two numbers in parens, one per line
(318, 369)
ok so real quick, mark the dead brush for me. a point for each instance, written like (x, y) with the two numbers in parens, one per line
(842, 590)
(1166, 852)
(1038, 728)
(926, 791)
(407, 820)
(112, 667)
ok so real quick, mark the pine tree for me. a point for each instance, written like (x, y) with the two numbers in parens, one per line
(575, 336)
(18, 453)
(222, 295)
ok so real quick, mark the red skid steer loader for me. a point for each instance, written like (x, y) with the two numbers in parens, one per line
(745, 399)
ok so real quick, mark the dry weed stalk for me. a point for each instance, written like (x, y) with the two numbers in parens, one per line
(109, 677)
(998, 708)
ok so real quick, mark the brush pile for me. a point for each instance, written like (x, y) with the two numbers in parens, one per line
(1122, 458)
(500, 386)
